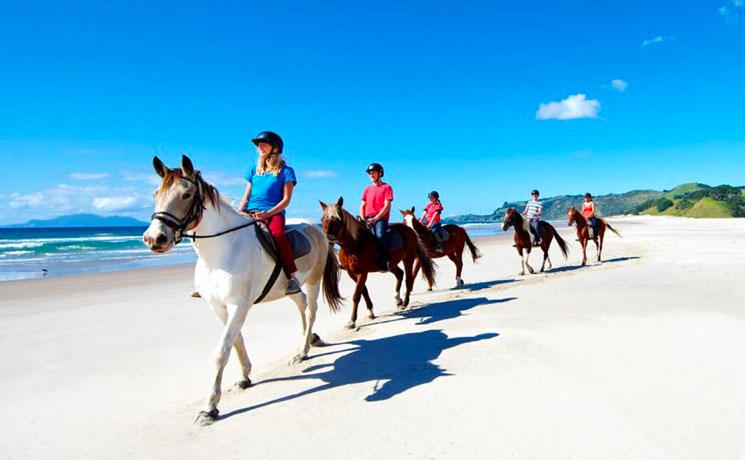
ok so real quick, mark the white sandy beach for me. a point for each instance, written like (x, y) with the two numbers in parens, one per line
(637, 357)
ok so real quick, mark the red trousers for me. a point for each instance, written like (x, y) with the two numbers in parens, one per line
(276, 225)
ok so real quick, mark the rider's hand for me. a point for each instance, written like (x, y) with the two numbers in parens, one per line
(261, 215)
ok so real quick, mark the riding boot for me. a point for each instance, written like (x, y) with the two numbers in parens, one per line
(438, 242)
(293, 286)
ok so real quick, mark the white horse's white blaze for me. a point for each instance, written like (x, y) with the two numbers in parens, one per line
(232, 271)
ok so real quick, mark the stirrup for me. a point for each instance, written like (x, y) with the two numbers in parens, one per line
(293, 286)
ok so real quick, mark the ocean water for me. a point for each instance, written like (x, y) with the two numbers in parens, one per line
(29, 253)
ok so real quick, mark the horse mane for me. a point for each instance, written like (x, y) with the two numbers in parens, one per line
(419, 227)
(351, 224)
(208, 190)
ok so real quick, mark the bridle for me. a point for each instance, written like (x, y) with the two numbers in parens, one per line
(191, 219)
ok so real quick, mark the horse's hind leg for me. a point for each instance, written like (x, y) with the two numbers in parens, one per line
(239, 345)
(457, 259)
(600, 247)
(597, 247)
(409, 273)
(399, 274)
(307, 318)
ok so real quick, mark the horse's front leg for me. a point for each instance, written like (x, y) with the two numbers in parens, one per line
(236, 317)
(239, 345)
(584, 252)
(522, 260)
(368, 300)
(361, 279)
(527, 264)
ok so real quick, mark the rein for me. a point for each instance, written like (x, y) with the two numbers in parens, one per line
(181, 225)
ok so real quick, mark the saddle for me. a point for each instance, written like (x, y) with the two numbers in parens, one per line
(299, 242)
(592, 227)
(443, 234)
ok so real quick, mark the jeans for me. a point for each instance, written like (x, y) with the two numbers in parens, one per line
(381, 228)
(535, 223)
(435, 229)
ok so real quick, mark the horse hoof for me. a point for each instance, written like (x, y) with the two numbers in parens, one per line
(316, 341)
(298, 358)
(243, 384)
(196, 294)
(429, 289)
(349, 325)
(371, 315)
(205, 418)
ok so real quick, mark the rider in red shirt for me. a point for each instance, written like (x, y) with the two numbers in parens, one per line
(376, 209)
(588, 212)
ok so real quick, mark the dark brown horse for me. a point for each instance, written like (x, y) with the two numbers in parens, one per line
(359, 250)
(523, 242)
(453, 248)
(583, 232)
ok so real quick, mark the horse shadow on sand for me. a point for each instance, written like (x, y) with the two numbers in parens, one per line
(591, 263)
(392, 365)
(448, 309)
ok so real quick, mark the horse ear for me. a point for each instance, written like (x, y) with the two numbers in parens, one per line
(159, 167)
(340, 201)
(323, 205)
(403, 213)
(412, 209)
(186, 166)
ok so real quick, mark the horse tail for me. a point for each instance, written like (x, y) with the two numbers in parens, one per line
(331, 281)
(562, 244)
(427, 265)
(475, 253)
(611, 228)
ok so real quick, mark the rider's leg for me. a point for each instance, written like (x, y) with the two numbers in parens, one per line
(435, 229)
(381, 228)
(276, 225)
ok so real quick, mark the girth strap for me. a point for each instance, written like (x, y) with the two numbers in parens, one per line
(271, 249)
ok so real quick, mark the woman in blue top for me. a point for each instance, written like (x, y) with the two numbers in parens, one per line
(268, 193)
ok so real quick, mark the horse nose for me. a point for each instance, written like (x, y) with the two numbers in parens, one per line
(148, 240)
(160, 240)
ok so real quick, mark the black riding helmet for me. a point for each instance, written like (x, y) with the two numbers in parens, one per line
(434, 193)
(375, 167)
(588, 195)
(535, 192)
(270, 138)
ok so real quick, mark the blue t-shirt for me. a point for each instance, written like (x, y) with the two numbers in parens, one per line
(267, 190)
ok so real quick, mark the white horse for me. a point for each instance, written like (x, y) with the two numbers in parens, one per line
(233, 270)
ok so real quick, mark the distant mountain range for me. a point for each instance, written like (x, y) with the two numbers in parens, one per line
(686, 200)
(82, 220)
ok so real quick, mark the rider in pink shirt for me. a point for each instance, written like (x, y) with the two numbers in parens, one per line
(431, 217)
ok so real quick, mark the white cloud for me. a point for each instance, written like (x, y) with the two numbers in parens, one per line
(573, 107)
(730, 13)
(319, 174)
(31, 200)
(619, 84)
(148, 178)
(88, 176)
(220, 179)
(115, 203)
(656, 40)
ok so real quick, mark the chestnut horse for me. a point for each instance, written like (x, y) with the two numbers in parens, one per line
(359, 250)
(453, 247)
(523, 241)
(583, 232)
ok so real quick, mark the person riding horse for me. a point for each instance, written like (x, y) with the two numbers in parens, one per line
(432, 218)
(588, 212)
(533, 211)
(376, 210)
(268, 193)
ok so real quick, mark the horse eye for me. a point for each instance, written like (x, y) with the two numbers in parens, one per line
(186, 196)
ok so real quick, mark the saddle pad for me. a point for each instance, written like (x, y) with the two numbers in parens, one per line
(299, 242)
(394, 240)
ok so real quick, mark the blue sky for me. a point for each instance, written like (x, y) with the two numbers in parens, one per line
(482, 101)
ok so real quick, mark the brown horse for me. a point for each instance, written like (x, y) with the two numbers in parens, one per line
(453, 247)
(523, 242)
(359, 250)
(583, 232)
